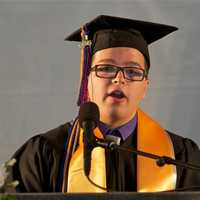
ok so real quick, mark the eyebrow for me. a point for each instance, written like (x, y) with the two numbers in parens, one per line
(109, 60)
(129, 63)
(133, 63)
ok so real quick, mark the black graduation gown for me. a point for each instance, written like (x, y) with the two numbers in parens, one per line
(40, 162)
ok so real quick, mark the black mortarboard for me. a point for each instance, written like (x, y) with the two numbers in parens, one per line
(108, 31)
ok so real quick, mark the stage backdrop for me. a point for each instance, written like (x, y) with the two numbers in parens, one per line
(39, 71)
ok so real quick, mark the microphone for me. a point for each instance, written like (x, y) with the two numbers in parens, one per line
(88, 119)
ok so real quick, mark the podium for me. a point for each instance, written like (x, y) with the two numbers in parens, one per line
(109, 196)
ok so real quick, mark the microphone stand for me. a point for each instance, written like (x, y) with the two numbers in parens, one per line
(160, 160)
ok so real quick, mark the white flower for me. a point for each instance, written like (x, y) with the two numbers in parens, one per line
(3, 175)
(10, 163)
(4, 172)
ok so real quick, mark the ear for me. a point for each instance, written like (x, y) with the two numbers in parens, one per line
(146, 86)
(89, 88)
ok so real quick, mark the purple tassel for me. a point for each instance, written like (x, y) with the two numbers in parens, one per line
(83, 92)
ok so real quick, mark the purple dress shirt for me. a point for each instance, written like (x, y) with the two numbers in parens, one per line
(124, 130)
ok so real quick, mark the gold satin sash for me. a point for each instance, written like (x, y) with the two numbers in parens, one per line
(151, 138)
(77, 181)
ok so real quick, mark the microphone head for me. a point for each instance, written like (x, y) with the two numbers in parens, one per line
(89, 111)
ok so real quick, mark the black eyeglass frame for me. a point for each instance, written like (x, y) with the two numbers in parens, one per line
(95, 69)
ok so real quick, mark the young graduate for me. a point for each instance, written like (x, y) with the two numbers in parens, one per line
(115, 63)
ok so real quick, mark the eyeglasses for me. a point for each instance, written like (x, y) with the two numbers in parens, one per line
(111, 71)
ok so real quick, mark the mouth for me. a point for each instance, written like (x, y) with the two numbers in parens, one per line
(117, 94)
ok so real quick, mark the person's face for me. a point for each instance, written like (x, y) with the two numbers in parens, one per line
(117, 98)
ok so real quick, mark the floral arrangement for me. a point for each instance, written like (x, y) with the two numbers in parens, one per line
(4, 181)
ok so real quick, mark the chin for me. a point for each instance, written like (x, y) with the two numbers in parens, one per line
(116, 113)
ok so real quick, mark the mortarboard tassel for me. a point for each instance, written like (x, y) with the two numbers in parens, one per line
(84, 66)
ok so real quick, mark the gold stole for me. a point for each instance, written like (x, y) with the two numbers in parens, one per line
(151, 138)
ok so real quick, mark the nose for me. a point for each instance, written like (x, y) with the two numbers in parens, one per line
(119, 79)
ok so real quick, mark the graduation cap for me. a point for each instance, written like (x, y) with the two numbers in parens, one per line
(108, 32)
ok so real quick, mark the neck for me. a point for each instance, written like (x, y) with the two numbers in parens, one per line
(113, 122)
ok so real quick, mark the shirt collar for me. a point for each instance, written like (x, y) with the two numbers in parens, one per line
(125, 130)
